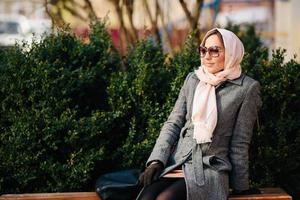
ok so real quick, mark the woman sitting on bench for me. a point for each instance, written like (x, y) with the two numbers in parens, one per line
(203, 146)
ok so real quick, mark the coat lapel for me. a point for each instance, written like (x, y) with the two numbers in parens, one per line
(191, 94)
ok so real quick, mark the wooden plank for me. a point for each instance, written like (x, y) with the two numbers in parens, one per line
(52, 196)
(267, 194)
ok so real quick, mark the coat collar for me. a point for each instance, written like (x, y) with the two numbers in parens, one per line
(237, 81)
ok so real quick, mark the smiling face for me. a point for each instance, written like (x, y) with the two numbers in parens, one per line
(214, 64)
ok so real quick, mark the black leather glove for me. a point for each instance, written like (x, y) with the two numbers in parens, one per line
(151, 173)
(246, 192)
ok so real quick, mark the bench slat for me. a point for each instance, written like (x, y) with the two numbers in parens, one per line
(267, 194)
(52, 196)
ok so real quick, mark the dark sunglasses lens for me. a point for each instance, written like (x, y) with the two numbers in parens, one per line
(202, 51)
(214, 52)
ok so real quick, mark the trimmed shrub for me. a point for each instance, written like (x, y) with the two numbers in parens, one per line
(139, 93)
(55, 122)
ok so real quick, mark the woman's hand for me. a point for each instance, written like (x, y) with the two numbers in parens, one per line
(151, 173)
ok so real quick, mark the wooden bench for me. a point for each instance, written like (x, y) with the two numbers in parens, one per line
(267, 194)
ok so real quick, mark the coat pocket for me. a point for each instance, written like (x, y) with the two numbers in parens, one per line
(217, 163)
(183, 131)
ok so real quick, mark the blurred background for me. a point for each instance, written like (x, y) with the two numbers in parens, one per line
(168, 21)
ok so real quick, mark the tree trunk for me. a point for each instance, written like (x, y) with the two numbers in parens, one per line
(193, 19)
(90, 8)
(123, 30)
(153, 22)
(129, 9)
(164, 26)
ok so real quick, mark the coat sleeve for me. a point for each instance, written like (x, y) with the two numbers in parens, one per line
(241, 138)
(170, 131)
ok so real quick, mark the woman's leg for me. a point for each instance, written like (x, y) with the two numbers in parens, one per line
(176, 191)
(165, 189)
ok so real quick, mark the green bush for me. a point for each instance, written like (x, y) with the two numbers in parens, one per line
(55, 119)
(276, 149)
(139, 93)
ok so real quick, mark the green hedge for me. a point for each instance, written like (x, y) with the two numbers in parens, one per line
(72, 111)
(55, 119)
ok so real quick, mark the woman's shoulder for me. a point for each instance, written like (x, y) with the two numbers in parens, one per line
(190, 74)
(245, 83)
(189, 77)
(249, 81)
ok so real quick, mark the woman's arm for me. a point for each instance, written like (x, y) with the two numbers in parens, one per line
(169, 133)
(241, 138)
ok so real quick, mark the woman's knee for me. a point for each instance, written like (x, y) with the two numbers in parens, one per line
(176, 191)
(166, 195)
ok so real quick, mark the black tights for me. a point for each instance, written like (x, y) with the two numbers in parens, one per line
(165, 189)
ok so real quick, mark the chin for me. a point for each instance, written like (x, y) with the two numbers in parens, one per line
(213, 70)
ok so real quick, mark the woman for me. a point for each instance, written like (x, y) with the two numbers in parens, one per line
(203, 146)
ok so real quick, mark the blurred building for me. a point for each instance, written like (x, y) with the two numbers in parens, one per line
(287, 27)
(257, 12)
(23, 20)
(277, 21)
(32, 9)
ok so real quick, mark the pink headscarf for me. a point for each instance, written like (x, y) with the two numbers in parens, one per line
(204, 113)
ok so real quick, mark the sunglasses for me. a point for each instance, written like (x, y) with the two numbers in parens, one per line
(213, 51)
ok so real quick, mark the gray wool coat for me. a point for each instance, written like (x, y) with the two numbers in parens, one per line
(210, 168)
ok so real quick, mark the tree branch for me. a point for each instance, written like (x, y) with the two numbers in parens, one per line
(153, 22)
(49, 13)
(90, 7)
(73, 12)
(187, 12)
(197, 14)
(164, 26)
(123, 30)
(129, 9)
